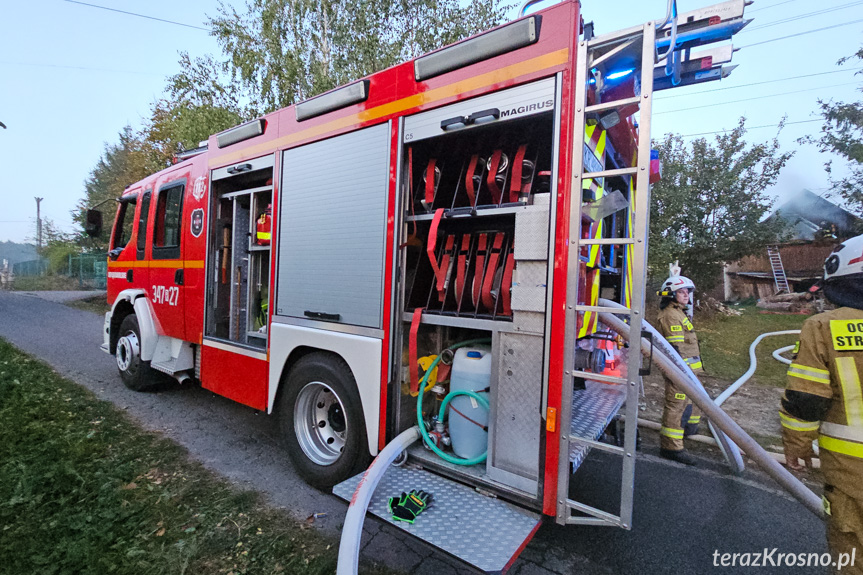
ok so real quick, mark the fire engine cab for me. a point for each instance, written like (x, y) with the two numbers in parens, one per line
(426, 246)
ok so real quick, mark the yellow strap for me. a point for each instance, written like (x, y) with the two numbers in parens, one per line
(797, 424)
(851, 392)
(264, 235)
(841, 446)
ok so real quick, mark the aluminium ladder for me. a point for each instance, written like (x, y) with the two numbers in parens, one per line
(780, 280)
(636, 49)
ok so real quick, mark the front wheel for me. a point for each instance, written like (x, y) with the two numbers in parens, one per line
(135, 373)
(321, 420)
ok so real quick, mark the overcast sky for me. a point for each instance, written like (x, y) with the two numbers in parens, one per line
(74, 75)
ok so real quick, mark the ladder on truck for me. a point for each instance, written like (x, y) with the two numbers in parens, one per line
(780, 280)
(660, 56)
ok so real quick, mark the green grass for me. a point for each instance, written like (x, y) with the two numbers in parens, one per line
(46, 283)
(83, 490)
(725, 343)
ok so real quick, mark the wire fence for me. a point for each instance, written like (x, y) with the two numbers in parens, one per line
(89, 271)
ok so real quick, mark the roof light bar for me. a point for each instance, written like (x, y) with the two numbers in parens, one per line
(333, 100)
(505, 39)
(241, 132)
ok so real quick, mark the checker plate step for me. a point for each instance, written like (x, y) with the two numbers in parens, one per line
(484, 532)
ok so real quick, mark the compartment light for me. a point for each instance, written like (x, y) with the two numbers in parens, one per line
(620, 74)
(333, 100)
(241, 132)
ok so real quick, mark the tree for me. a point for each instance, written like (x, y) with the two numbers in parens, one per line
(279, 52)
(123, 163)
(842, 134)
(710, 205)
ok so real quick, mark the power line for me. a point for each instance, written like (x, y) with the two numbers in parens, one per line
(755, 98)
(138, 15)
(752, 128)
(757, 83)
(771, 6)
(37, 64)
(801, 16)
(802, 33)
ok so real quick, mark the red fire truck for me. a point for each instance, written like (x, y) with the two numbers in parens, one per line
(438, 233)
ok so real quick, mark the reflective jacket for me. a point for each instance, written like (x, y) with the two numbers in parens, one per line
(829, 364)
(674, 325)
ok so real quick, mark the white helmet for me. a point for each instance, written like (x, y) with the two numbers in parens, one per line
(674, 283)
(846, 261)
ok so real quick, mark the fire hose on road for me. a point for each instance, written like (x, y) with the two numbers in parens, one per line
(721, 420)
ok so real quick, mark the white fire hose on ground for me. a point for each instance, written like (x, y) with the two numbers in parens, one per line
(721, 420)
(352, 531)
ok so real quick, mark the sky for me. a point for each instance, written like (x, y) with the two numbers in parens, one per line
(74, 75)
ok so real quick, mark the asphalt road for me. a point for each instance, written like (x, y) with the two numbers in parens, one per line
(682, 516)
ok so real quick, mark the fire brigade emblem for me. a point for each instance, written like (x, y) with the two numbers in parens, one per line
(197, 220)
(199, 189)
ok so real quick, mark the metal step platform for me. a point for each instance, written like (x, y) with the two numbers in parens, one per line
(593, 408)
(482, 531)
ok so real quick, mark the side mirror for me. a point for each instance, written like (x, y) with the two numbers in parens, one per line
(93, 227)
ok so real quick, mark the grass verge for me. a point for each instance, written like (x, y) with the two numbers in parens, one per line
(97, 304)
(84, 490)
(725, 342)
(46, 283)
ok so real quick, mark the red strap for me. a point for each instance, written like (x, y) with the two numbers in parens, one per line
(490, 180)
(506, 284)
(430, 183)
(480, 262)
(488, 283)
(468, 180)
(515, 185)
(412, 350)
(430, 249)
(461, 267)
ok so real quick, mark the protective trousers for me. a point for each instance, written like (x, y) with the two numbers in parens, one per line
(679, 419)
(845, 530)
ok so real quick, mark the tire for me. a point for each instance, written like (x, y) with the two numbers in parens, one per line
(321, 421)
(136, 374)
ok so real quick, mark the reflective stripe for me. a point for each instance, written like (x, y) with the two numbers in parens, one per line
(809, 373)
(674, 338)
(694, 419)
(842, 431)
(693, 362)
(695, 365)
(851, 393)
(671, 432)
(797, 424)
(842, 446)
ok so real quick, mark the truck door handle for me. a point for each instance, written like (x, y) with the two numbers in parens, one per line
(239, 168)
(129, 275)
(322, 315)
(491, 112)
(178, 277)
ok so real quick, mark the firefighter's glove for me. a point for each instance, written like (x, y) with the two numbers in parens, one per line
(410, 505)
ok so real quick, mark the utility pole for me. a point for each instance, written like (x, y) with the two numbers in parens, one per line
(38, 225)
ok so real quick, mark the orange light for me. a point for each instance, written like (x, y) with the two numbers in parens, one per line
(551, 419)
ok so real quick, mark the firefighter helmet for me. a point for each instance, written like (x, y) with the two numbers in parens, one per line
(674, 283)
(842, 283)
(846, 260)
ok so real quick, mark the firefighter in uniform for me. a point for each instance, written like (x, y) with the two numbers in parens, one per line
(823, 400)
(680, 417)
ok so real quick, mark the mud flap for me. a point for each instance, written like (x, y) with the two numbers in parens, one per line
(484, 532)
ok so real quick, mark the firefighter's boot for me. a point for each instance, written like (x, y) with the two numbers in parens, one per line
(681, 456)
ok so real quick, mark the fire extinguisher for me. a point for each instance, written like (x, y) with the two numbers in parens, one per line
(265, 223)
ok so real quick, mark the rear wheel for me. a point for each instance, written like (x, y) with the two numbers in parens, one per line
(135, 373)
(321, 421)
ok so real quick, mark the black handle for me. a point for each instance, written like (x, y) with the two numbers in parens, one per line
(452, 122)
(322, 315)
(178, 277)
(646, 370)
(493, 112)
(239, 168)
(130, 275)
